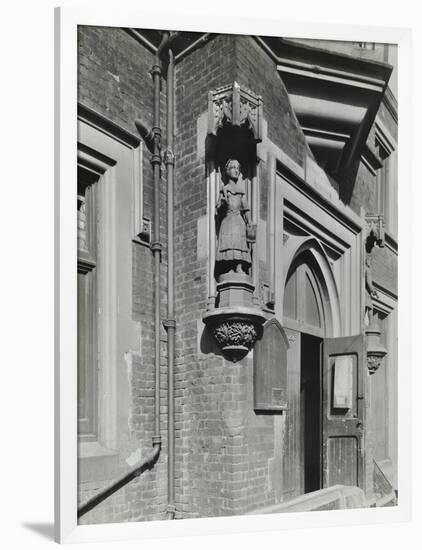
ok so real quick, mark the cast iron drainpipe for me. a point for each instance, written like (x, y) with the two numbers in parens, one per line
(153, 138)
(170, 323)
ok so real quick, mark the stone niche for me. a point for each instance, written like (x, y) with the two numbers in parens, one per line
(233, 315)
(375, 351)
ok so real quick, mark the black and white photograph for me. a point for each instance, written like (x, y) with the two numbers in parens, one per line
(237, 262)
(211, 275)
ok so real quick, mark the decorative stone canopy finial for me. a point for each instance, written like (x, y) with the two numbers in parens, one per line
(233, 105)
(374, 231)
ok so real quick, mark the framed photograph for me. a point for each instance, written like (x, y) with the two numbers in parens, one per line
(230, 350)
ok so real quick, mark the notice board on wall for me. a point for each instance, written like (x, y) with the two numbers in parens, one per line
(270, 368)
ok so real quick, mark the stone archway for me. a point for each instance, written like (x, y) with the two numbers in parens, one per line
(308, 251)
(310, 312)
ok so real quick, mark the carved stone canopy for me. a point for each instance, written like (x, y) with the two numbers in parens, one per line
(374, 231)
(232, 105)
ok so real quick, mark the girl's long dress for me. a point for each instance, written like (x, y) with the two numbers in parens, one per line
(232, 244)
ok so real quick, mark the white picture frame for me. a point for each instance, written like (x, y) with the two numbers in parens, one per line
(66, 528)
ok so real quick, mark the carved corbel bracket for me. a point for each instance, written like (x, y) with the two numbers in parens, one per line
(375, 352)
(233, 105)
(375, 233)
(235, 330)
(237, 323)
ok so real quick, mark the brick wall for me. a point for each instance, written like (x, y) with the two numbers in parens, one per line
(200, 433)
(113, 76)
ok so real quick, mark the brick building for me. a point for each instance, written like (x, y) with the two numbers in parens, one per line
(273, 389)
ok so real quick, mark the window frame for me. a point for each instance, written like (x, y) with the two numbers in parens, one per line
(386, 176)
(87, 343)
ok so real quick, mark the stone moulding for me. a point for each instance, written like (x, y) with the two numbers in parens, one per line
(235, 106)
(235, 329)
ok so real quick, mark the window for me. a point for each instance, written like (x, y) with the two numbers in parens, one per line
(109, 214)
(87, 317)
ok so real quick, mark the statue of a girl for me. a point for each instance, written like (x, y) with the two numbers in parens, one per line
(370, 291)
(236, 229)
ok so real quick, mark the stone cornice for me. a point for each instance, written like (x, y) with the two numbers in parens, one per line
(390, 103)
(335, 128)
(93, 160)
(391, 243)
(371, 160)
(384, 137)
(326, 62)
(385, 300)
(106, 126)
(339, 211)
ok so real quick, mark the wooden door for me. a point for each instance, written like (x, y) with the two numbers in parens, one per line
(343, 411)
(292, 452)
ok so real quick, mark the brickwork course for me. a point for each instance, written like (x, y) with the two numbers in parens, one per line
(227, 459)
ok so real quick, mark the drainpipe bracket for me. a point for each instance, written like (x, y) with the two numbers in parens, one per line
(169, 323)
(156, 131)
(155, 69)
(156, 440)
(168, 157)
(155, 159)
(156, 246)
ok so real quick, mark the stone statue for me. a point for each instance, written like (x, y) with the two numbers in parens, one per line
(370, 291)
(235, 229)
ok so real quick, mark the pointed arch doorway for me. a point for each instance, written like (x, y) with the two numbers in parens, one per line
(325, 421)
(307, 319)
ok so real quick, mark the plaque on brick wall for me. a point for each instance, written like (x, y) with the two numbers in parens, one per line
(270, 368)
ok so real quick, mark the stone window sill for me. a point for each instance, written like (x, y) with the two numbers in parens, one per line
(96, 463)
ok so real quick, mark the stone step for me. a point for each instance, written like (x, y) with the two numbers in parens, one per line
(338, 497)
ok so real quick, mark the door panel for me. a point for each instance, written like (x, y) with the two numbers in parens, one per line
(343, 411)
(292, 469)
(343, 452)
